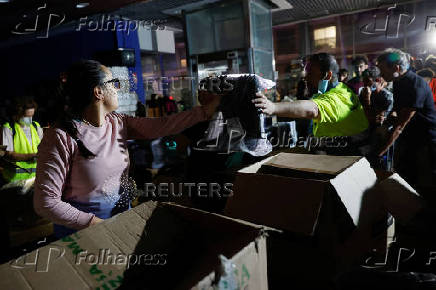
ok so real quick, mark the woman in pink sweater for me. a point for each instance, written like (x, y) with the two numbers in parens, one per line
(83, 162)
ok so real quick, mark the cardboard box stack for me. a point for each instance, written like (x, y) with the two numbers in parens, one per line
(315, 199)
(153, 246)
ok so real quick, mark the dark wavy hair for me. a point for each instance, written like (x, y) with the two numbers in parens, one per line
(19, 106)
(358, 59)
(372, 72)
(78, 92)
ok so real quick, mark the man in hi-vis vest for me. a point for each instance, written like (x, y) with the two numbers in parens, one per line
(22, 136)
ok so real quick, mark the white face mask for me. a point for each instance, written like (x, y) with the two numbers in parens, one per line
(26, 120)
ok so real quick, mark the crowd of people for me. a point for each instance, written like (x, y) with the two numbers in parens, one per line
(81, 163)
(384, 103)
(363, 108)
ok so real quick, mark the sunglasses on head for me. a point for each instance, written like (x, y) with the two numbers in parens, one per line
(116, 82)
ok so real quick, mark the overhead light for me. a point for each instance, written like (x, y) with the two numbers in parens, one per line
(281, 4)
(432, 39)
(81, 5)
(5, 1)
(188, 7)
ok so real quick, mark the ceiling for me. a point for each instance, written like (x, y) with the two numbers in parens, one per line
(308, 9)
(23, 12)
(301, 9)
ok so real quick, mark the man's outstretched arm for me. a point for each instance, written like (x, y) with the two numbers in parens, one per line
(306, 109)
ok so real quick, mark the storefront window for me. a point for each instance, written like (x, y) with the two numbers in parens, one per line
(325, 37)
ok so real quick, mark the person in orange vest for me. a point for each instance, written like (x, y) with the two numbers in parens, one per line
(429, 76)
(21, 136)
(430, 63)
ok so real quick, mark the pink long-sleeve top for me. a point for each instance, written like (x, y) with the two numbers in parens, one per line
(70, 190)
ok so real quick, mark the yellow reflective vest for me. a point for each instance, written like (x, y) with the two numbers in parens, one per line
(21, 145)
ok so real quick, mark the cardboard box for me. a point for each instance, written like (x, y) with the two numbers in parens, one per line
(316, 200)
(287, 191)
(170, 247)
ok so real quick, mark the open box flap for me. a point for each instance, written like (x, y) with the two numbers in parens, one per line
(280, 202)
(396, 183)
(351, 184)
(256, 166)
(312, 163)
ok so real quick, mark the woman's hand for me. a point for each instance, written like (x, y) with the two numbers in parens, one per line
(210, 102)
(264, 104)
(95, 220)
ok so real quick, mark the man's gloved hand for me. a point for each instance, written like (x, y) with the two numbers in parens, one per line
(266, 106)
